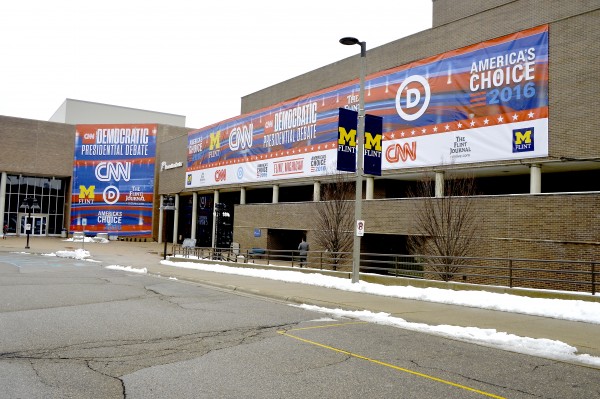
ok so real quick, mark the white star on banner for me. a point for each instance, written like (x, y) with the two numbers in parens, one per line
(500, 119)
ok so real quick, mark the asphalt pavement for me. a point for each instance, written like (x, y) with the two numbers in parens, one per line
(584, 336)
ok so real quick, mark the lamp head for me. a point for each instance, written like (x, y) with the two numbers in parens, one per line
(349, 41)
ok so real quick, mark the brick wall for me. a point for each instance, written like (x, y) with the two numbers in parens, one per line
(552, 226)
(526, 226)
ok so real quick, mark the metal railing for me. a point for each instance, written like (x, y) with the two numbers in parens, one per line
(556, 274)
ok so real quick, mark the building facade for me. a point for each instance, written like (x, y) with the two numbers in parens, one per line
(542, 206)
(78, 112)
(37, 161)
(531, 203)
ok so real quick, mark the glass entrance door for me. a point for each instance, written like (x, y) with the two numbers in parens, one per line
(39, 225)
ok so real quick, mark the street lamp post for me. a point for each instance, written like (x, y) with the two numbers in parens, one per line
(360, 142)
(29, 204)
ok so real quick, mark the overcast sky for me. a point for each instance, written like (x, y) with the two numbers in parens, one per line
(191, 58)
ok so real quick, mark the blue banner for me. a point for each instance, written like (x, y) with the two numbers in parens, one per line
(346, 152)
(113, 179)
(373, 137)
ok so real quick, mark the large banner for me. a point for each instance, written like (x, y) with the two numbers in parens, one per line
(481, 103)
(113, 179)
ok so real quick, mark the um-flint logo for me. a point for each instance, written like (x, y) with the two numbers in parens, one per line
(347, 141)
(214, 144)
(523, 140)
(86, 194)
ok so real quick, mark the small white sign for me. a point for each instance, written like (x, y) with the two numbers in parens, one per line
(27, 226)
(360, 228)
(84, 221)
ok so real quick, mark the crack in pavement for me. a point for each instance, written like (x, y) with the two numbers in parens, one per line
(115, 358)
(471, 378)
(62, 369)
(119, 379)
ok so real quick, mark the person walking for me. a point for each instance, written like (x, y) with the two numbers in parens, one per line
(4, 231)
(303, 248)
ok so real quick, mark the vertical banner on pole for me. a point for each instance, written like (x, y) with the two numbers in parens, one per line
(373, 137)
(346, 153)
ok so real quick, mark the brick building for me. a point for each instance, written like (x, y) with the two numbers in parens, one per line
(542, 206)
(36, 161)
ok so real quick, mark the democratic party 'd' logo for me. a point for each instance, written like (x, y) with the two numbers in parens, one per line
(410, 103)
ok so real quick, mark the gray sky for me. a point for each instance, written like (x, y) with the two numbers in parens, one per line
(186, 57)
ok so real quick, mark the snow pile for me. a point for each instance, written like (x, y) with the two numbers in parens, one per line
(542, 347)
(80, 254)
(574, 310)
(128, 269)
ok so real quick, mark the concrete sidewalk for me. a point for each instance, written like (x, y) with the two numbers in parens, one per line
(584, 336)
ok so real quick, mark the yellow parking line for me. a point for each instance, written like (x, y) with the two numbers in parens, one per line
(327, 325)
(415, 373)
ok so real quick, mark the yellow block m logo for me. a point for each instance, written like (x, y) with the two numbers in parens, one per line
(215, 140)
(523, 137)
(372, 143)
(86, 192)
(348, 138)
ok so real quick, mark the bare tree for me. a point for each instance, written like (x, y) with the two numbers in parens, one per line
(446, 226)
(335, 217)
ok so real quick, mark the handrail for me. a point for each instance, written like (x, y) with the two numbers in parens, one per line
(562, 274)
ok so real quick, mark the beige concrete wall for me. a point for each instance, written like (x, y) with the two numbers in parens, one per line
(172, 151)
(37, 148)
(171, 147)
